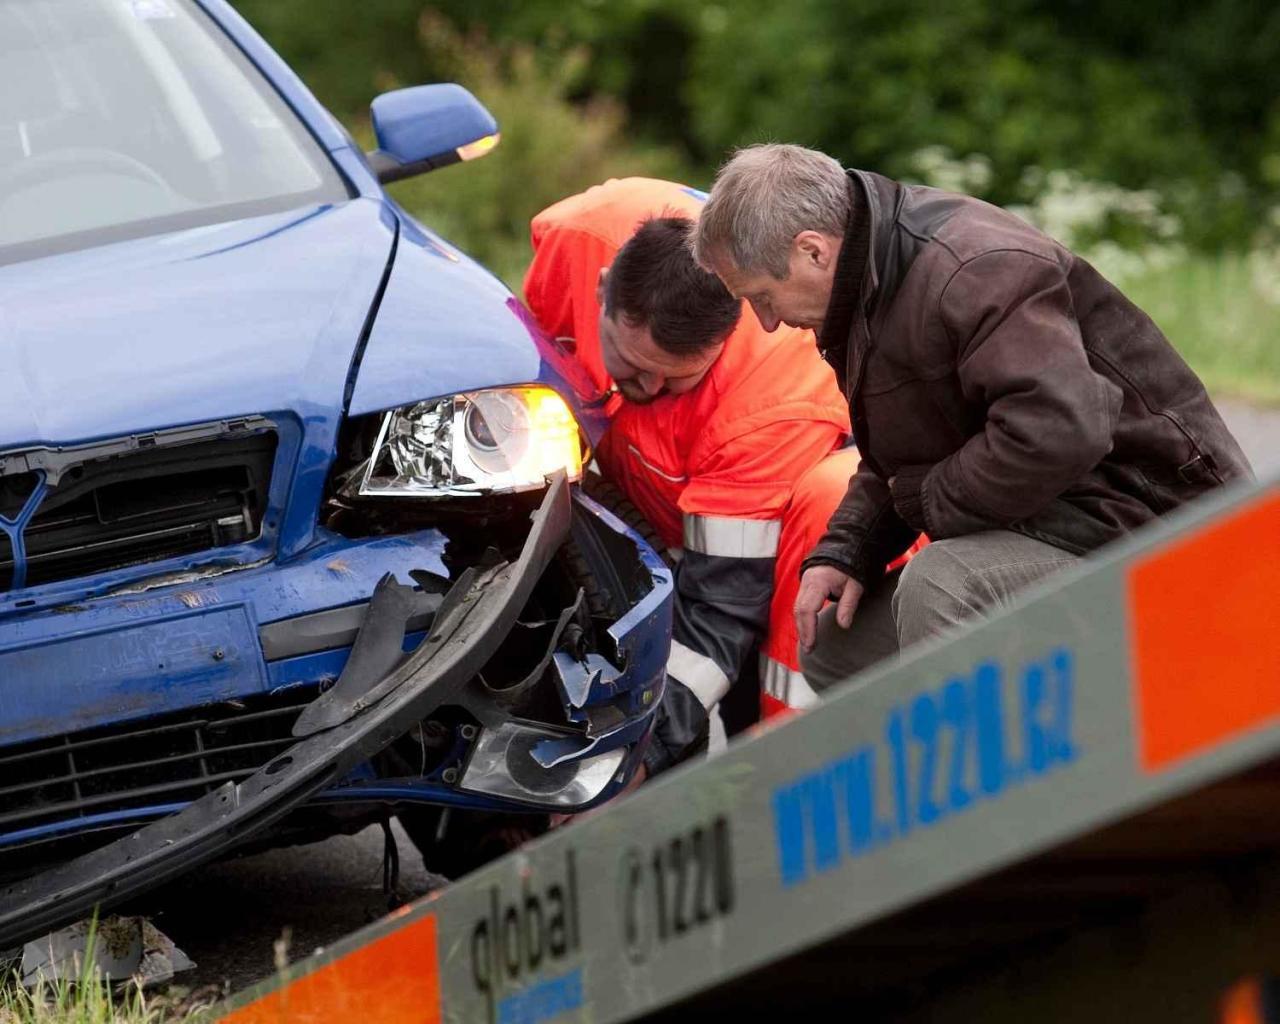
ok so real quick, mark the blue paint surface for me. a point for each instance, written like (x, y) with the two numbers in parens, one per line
(332, 573)
(543, 1001)
(423, 122)
(104, 819)
(231, 319)
(13, 529)
(71, 684)
(941, 754)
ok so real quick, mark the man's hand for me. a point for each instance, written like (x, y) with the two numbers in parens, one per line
(818, 584)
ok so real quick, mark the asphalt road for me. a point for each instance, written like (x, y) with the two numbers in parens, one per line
(1258, 431)
(228, 916)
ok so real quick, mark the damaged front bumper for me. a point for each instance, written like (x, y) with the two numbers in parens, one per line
(382, 695)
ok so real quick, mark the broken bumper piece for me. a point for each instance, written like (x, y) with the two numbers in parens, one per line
(375, 702)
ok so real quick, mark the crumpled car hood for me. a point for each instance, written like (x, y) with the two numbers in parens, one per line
(246, 317)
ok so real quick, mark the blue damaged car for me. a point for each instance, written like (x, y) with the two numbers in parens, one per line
(292, 536)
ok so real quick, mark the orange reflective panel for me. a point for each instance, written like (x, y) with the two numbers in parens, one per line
(391, 980)
(1205, 635)
(1243, 1004)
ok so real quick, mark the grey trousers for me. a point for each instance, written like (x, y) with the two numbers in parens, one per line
(948, 583)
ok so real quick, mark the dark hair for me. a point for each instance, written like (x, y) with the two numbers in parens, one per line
(655, 283)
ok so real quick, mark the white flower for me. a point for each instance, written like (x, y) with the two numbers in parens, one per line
(938, 167)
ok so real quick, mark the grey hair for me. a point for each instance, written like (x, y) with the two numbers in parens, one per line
(762, 198)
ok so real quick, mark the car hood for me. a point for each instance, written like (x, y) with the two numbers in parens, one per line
(248, 317)
(445, 325)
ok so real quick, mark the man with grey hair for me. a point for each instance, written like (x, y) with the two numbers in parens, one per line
(1006, 399)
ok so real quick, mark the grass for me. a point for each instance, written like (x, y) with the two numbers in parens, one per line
(1223, 315)
(89, 999)
(62, 1002)
(94, 1002)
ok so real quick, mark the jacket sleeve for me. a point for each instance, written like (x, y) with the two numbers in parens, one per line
(732, 511)
(1049, 417)
(724, 583)
(865, 532)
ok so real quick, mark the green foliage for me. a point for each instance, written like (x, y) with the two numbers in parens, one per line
(550, 147)
(91, 1000)
(1181, 98)
(346, 52)
(67, 1003)
(1223, 314)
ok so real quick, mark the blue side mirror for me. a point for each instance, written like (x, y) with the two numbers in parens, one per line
(428, 126)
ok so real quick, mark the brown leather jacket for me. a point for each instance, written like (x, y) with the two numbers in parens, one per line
(996, 380)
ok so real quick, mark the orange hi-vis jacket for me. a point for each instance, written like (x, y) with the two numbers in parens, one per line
(712, 468)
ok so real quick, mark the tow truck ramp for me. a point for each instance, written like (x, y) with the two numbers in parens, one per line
(1070, 811)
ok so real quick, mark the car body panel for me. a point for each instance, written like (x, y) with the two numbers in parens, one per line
(39, 698)
(438, 306)
(302, 319)
(222, 321)
(206, 654)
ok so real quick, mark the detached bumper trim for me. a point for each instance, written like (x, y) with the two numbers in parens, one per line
(331, 629)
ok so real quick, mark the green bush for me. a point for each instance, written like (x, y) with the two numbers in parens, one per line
(550, 147)
(1223, 314)
(346, 52)
(1182, 99)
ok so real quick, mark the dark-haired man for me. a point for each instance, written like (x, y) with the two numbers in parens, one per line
(713, 423)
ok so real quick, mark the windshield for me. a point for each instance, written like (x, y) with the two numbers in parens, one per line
(123, 118)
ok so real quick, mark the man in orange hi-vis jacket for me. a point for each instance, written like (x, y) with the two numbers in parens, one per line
(714, 421)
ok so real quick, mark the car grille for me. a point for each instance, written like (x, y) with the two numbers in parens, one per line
(166, 760)
(145, 505)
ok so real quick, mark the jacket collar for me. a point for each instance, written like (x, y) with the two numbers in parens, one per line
(856, 275)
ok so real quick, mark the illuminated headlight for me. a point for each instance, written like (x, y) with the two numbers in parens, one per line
(502, 764)
(482, 442)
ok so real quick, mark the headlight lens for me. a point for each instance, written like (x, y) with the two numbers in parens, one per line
(482, 442)
(503, 765)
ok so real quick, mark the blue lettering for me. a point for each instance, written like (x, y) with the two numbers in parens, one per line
(788, 829)
(1063, 666)
(820, 799)
(989, 712)
(1035, 742)
(895, 733)
(856, 775)
(955, 712)
(807, 812)
(924, 727)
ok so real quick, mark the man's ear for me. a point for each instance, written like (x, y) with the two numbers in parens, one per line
(816, 248)
(604, 272)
